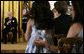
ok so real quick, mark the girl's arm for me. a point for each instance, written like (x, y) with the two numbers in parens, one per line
(41, 43)
(28, 29)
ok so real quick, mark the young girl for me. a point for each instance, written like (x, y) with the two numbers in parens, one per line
(39, 27)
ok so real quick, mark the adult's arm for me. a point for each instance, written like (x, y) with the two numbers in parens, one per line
(6, 22)
(74, 30)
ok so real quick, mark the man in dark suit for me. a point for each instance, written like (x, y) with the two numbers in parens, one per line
(11, 25)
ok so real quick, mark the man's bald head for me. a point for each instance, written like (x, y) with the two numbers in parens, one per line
(9, 14)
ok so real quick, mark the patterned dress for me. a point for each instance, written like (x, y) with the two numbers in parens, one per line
(45, 35)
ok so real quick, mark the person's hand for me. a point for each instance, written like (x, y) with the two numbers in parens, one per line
(12, 28)
(39, 43)
(9, 22)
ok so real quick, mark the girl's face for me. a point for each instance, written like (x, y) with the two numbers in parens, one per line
(72, 12)
(56, 14)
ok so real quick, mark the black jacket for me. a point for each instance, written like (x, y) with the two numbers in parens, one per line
(62, 24)
(13, 23)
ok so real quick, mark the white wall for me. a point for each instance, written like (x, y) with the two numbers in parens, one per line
(52, 4)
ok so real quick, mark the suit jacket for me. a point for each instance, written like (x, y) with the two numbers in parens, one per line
(13, 23)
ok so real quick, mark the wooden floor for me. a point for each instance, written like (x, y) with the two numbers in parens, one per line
(13, 48)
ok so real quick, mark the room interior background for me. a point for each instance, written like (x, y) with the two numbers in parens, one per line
(16, 8)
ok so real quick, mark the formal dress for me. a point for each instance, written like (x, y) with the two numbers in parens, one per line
(45, 35)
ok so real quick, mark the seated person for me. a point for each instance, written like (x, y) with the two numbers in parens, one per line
(11, 25)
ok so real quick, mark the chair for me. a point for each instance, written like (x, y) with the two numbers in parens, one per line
(10, 36)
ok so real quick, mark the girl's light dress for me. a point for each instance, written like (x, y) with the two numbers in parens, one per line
(45, 35)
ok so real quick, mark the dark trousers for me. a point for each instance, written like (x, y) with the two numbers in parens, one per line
(6, 31)
(24, 27)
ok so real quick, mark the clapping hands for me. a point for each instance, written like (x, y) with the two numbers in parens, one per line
(9, 22)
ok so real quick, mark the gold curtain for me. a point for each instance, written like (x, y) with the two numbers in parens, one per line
(16, 8)
(1, 17)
